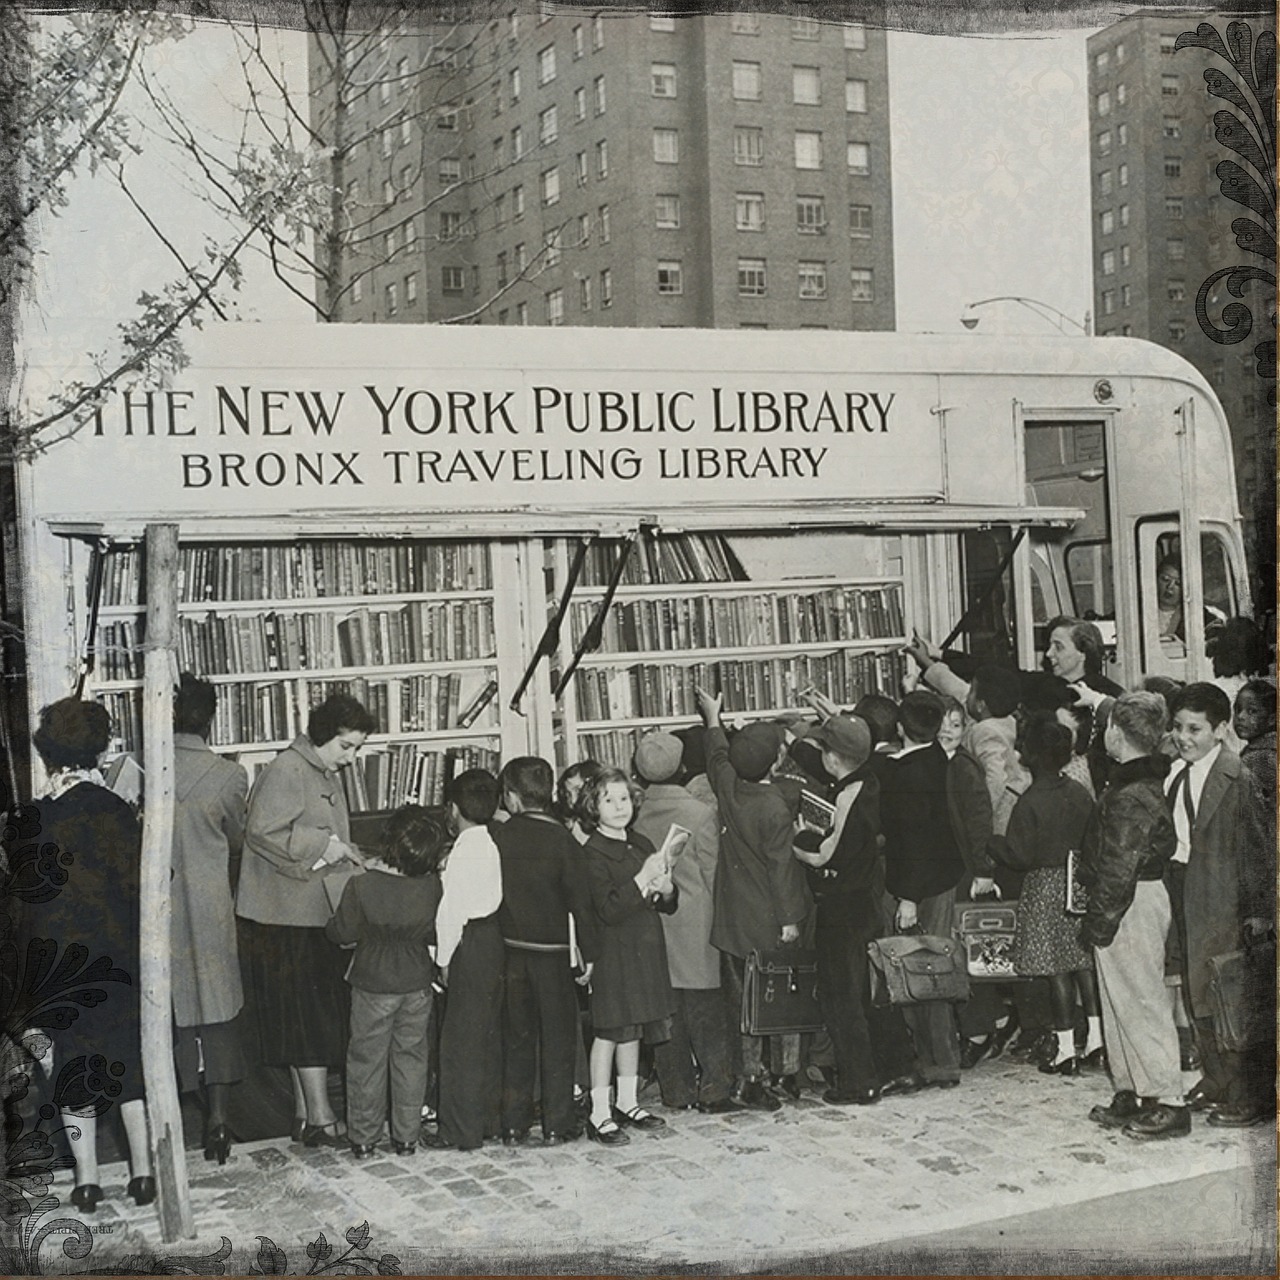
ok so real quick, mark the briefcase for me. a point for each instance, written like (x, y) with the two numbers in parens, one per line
(1242, 996)
(913, 968)
(780, 993)
(986, 930)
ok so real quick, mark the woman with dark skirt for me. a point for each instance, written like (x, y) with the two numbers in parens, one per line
(297, 830)
(99, 843)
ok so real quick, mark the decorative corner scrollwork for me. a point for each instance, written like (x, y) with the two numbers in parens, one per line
(1249, 132)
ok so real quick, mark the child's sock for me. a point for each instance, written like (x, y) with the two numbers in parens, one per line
(1066, 1045)
(627, 1089)
(1094, 1038)
(600, 1108)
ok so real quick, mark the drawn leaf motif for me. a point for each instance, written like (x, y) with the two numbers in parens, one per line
(271, 1259)
(1237, 185)
(319, 1249)
(389, 1265)
(1253, 238)
(1240, 38)
(1205, 36)
(1264, 69)
(359, 1237)
(1222, 85)
(1231, 133)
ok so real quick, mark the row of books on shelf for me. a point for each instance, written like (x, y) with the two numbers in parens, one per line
(408, 773)
(231, 643)
(664, 557)
(765, 618)
(303, 570)
(668, 689)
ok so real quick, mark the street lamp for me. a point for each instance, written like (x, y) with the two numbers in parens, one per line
(1043, 309)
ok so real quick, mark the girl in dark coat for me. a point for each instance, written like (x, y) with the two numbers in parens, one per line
(631, 996)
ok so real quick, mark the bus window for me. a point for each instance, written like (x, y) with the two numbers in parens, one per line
(988, 594)
(1089, 575)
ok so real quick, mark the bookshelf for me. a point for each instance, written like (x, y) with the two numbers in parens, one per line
(410, 628)
(687, 615)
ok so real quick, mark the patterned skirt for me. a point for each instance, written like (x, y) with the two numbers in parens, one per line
(1047, 940)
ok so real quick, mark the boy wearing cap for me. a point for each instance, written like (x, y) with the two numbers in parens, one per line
(698, 1029)
(760, 894)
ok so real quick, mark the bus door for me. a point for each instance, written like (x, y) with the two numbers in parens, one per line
(1171, 600)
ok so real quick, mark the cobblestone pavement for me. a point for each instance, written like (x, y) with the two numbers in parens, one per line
(749, 1192)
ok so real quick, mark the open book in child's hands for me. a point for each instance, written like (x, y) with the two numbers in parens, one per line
(673, 846)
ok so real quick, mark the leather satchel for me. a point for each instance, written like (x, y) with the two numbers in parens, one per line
(1242, 995)
(780, 993)
(917, 967)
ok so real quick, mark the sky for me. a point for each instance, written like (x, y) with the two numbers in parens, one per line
(990, 186)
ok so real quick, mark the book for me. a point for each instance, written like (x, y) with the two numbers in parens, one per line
(673, 844)
(816, 811)
(1077, 894)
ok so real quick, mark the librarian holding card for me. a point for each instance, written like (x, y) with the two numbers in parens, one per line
(297, 834)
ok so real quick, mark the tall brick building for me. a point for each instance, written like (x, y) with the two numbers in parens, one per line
(585, 168)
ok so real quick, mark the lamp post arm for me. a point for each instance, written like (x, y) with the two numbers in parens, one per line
(1040, 308)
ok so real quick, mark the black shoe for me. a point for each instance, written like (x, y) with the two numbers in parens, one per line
(638, 1119)
(1001, 1037)
(721, 1107)
(790, 1085)
(940, 1084)
(901, 1086)
(973, 1052)
(851, 1097)
(438, 1143)
(408, 1148)
(1245, 1117)
(554, 1138)
(87, 1197)
(299, 1128)
(681, 1106)
(1201, 1098)
(1096, 1060)
(142, 1189)
(608, 1134)
(217, 1143)
(1067, 1067)
(1125, 1106)
(362, 1150)
(515, 1137)
(1159, 1121)
(323, 1135)
(755, 1097)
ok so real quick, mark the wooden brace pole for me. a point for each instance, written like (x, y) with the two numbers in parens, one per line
(160, 676)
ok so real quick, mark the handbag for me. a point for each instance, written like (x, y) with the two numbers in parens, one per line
(780, 993)
(917, 967)
(986, 931)
(1242, 995)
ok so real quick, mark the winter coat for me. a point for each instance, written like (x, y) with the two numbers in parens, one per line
(1130, 837)
(1049, 820)
(969, 806)
(921, 859)
(630, 983)
(208, 831)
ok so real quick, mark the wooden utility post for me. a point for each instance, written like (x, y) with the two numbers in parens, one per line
(160, 676)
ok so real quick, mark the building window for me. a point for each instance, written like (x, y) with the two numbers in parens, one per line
(744, 24)
(806, 86)
(584, 293)
(519, 258)
(517, 143)
(811, 215)
(855, 95)
(860, 221)
(751, 278)
(555, 306)
(1102, 60)
(1108, 302)
(606, 288)
(746, 81)
(406, 132)
(579, 42)
(597, 31)
(808, 149)
(1107, 221)
(384, 93)
(584, 228)
(1108, 262)
(1104, 182)
(389, 244)
(411, 288)
(1124, 215)
(667, 212)
(1103, 103)
(499, 153)
(1120, 52)
(357, 289)
(580, 168)
(1175, 248)
(1122, 175)
(858, 158)
(1170, 86)
(513, 85)
(661, 22)
(1177, 290)
(1122, 135)
(1177, 330)
(392, 296)
(597, 89)
(602, 159)
(547, 64)
(748, 145)
(855, 34)
(748, 211)
(662, 79)
(812, 279)
(1126, 295)
(1173, 207)
(388, 192)
(1173, 166)
(602, 220)
(1126, 255)
(579, 105)
(805, 29)
(1168, 43)
(551, 185)
(670, 279)
(548, 125)
(1122, 94)
(502, 271)
(522, 313)
(551, 246)
(447, 121)
(450, 225)
(1104, 142)
(517, 203)
(410, 234)
(453, 280)
(1172, 126)
(666, 146)
(862, 285)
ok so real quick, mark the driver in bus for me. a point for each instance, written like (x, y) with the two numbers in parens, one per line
(1171, 616)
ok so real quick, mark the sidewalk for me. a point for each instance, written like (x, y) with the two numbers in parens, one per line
(809, 1188)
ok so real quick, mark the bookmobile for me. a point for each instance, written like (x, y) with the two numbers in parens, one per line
(540, 540)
